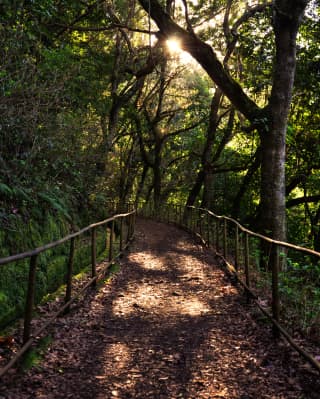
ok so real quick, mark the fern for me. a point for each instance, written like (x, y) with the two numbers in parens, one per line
(55, 204)
(22, 194)
(6, 190)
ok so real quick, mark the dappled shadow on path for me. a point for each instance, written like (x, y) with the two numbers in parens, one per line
(170, 325)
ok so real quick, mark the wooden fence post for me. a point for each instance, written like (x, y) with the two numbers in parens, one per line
(69, 273)
(128, 222)
(212, 229)
(246, 264)
(188, 218)
(274, 259)
(121, 235)
(111, 242)
(194, 220)
(236, 257)
(208, 229)
(200, 223)
(225, 238)
(93, 255)
(217, 234)
(133, 224)
(146, 210)
(30, 298)
(191, 220)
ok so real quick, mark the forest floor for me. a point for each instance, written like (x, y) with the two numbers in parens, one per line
(169, 325)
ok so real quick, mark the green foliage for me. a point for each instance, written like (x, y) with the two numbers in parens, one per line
(257, 53)
(51, 267)
(6, 190)
(20, 237)
(300, 293)
(34, 356)
(55, 203)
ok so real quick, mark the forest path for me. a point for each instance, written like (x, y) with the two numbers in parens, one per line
(169, 325)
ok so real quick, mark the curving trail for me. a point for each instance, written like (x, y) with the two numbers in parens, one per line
(169, 325)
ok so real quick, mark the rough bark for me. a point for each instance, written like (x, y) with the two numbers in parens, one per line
(286, 20)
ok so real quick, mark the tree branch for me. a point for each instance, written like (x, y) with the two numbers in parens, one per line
(232, 35)
(302, 200)
(112, 26)
(205, 56)
(182, 130)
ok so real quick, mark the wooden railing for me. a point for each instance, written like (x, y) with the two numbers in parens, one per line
(126, 223)
(230, 240)
(236, 245)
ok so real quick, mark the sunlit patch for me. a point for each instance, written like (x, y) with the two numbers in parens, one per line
(119, 354)
(183, 245)
(140, 300)
(149, 299)
(147, 260)
(192, 307)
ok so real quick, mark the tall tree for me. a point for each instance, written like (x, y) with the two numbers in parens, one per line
(271, 121)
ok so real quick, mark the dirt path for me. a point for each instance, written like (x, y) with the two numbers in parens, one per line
(168, 326)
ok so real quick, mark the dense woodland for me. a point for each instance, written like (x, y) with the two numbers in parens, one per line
(207, 103)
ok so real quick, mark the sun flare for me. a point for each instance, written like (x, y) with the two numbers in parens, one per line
(174, 45)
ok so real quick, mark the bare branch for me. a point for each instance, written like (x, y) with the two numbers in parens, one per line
(206, 57)
(186, 13)
(183, 130)
(250, 12)
(302, 200)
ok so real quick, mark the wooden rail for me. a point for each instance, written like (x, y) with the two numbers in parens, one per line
(28, 336)
(210, 229)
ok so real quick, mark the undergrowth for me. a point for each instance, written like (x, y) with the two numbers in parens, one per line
(28, 221)
(34, 356)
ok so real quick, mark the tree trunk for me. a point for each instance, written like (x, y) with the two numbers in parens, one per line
(245, 184)
(194, 192)
(157, 174)
(208, 195)
(203, 174)
(141, 184)
(286, 22)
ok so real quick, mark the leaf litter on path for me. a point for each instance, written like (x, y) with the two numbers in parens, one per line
(169, 325)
